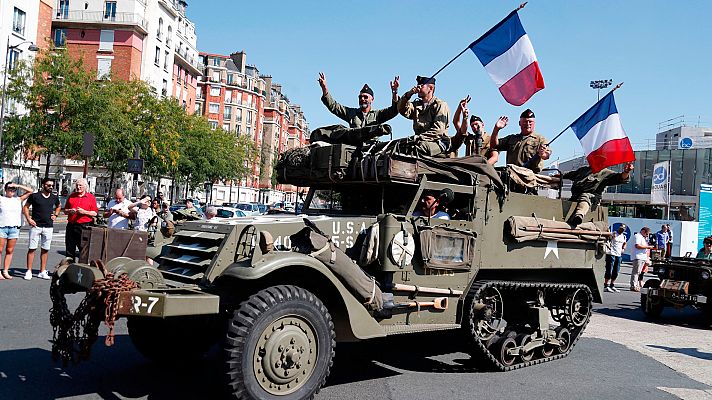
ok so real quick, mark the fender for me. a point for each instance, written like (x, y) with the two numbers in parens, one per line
(362, 323)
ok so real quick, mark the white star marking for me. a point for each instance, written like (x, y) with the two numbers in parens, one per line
(551, 247)
(79, 274)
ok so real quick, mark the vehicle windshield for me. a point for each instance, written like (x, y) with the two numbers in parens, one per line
(246, 207)
(360, 200)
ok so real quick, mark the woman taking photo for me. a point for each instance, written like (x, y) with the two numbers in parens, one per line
(10, 222)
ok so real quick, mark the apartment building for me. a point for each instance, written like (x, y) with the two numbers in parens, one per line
(234, 96)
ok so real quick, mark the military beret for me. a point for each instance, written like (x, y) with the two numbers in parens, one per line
(527, 114)
(422, 80)
(366, 89)
(476, 118)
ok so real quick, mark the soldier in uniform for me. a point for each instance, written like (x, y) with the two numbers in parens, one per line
(430, 116)
(526, 148)
(365, 123)
(587, 188)
(479, 141)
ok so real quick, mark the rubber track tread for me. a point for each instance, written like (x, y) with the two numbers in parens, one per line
(482, 354)
(249, 311)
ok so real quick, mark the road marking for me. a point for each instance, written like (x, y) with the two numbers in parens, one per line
(688, 394)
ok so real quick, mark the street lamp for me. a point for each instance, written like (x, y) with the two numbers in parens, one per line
(32, 47)
(601, 84)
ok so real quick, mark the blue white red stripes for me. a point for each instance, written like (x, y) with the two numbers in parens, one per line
(602, 136)
(508, 57)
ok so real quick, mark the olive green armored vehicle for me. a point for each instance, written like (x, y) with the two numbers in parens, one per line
(364, 262)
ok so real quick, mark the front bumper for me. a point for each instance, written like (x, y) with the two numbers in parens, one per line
(675, 297)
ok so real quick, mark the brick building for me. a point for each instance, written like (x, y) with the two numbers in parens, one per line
(234, 96)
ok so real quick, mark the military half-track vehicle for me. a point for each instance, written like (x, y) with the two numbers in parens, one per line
(680, 282)
(505, 271)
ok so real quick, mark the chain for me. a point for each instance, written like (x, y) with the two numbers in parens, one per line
(75, 333)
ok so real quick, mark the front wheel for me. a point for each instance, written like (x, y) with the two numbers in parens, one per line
(279, 345)
(652, 305)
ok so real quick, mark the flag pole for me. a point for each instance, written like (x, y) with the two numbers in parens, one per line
(468, 47)
(567, 128)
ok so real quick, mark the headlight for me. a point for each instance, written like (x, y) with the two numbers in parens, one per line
(705, 275)
(661, 272)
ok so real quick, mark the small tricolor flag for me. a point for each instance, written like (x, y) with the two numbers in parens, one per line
(602, 136)
(508, 56)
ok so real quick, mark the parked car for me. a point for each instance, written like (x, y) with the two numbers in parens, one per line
(263, 208)
(249, 208)
(229, 212)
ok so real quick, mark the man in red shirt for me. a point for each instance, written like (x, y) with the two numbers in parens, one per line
(81, 209)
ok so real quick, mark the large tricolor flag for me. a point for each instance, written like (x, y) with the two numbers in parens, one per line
(602, 136)
(508, 56)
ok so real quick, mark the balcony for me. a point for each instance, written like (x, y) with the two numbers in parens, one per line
(188, 62)
(99, 18)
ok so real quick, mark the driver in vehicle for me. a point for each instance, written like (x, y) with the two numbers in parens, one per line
(428, 206)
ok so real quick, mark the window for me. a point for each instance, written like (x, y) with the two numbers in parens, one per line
(216, 76)
(164, 90)
(228, 96)
(157, 58)
(197, 108)
(103, 69)
(249, 117)
(13, 56)
(159, 34)
(237, 129)
(63, 11)
(168, 36)
(227, 112)
(238, 114)
(216, 61)
(226, 127)
(165, 62)
(213, 124)
(230, 78)
(106, 40)
(60, 37)
(18, 21)
(214, 108)
(215, 91)
(110, 10)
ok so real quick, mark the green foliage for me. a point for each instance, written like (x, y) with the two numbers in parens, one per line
(65, 101)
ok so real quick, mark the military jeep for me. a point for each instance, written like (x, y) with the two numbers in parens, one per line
(680, 282)
(505, 271)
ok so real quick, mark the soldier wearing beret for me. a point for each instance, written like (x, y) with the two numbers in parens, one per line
(526, 148)
(478, 142)
(430, 116)
(364, 115)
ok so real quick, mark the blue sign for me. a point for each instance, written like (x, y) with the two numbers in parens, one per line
(704, 227)
(685, 143)
(660, 175)
(617, 225)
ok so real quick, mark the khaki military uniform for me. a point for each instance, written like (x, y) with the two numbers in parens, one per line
(587, 188)
(470, 145)
(522, 150)
(430, 123)
(357, 118)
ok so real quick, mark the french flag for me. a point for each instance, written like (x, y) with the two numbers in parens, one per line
(508, 56)
(602, 136)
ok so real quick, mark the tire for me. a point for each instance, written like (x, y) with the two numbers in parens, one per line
(174, 339)
(277, 336)
(650, 306)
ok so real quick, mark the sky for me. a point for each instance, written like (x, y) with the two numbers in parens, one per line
(661, 50)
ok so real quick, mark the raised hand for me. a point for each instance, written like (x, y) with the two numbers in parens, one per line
(628, 167)
(544, 151)
(501, 122)
(322, 82)
(395, 84)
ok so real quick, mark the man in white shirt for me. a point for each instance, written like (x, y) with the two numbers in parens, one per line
(118, 211)
(613, 260)
(640, 257)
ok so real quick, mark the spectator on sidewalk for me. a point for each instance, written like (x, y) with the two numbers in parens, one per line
(81, 209)
(640, 257)
(10, 222)
(668, 251)
(143, 213)
(45, 210)
(613, 260)
(705, 252)
(117, 211)
(661, 239)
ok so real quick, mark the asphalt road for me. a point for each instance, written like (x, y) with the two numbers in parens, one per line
(620, 356)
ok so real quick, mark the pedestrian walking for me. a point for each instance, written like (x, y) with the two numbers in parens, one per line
(613, 260)
(10, 222)
(640, 257)
(45, 210)
(117, 211)
(81, 209)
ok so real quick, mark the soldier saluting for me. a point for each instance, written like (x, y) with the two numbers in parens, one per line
(526, 148)
(430, 116)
